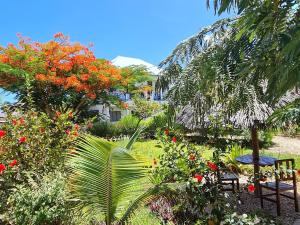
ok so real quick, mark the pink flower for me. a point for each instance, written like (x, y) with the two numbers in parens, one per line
(2, 133)
(22, 139)
(68, 131)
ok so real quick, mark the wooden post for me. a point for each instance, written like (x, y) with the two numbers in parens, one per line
(255, 155)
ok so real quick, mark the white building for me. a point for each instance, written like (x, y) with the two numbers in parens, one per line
(114, 113)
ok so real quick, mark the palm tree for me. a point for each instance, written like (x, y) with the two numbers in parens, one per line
(102, 179)
(226, 68)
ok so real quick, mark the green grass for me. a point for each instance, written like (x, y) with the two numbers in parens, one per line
(144, 217)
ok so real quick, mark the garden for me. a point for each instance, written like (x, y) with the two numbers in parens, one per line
(210, 153)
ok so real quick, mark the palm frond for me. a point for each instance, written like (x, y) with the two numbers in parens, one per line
(102, 176)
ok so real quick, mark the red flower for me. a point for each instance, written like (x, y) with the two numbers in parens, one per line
(174, 139)
(298, 172)
(22, 139)
(251, 188)
(192, 157)
(22, 121)
(212, 166)
(75, 134)
(70, 115)
(57, 114)
(167, 131)
(198, 178)
(2, 133)
(14, 122)
(42, 129)
(76, 126)
(68, 132)
(13, 163)
(2, 168)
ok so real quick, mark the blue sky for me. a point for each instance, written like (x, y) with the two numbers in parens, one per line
(146, 29)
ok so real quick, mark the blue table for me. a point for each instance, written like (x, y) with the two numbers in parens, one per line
(263, 160)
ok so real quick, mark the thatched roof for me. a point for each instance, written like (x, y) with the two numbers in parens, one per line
(255, 110)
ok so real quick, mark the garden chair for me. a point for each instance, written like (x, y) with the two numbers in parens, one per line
(284, 171)
(229, 179)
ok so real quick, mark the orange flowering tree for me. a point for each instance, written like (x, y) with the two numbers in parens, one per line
(57, 73)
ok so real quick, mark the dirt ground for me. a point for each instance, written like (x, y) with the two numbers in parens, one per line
(285, 145)
(250, 203)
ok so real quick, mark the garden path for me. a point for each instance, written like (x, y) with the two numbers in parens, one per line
(285, 145)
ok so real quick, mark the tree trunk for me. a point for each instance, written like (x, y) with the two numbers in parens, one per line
(255, 155)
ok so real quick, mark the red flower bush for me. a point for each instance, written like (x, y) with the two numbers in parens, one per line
(2, 133)
(13, 163)
(2, 168)
(212, 166)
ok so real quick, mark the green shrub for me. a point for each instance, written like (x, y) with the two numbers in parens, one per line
(39, 143)
(103, 129)
(266, 138)
(41, 202)
(127, 125)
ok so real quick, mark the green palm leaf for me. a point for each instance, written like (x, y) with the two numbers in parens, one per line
(102, 176)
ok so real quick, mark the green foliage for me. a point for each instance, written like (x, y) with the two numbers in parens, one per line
(127, 125)
(198, 195)
(229, 161)
(266, 137)
(40, 202)
(102, 177)
(36, 141)
(143, 108)
(102, 129)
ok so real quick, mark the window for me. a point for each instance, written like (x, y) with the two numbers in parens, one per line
(115, 116)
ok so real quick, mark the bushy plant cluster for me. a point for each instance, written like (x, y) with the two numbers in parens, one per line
(32, 145)
(196, 196)
(38, 142)
(41, 201)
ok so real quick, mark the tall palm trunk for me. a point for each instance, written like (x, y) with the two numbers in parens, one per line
(255, 155)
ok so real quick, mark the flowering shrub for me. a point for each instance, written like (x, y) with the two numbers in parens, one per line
(199, 195)
(37, 142)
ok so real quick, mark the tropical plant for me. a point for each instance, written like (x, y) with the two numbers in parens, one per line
(41, 201)
(234, 68)
(126, 125)
(37, 142)
(103, 177)
(59, 74)
(143, 108)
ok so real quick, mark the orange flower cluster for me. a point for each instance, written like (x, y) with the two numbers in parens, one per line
(61, 63)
